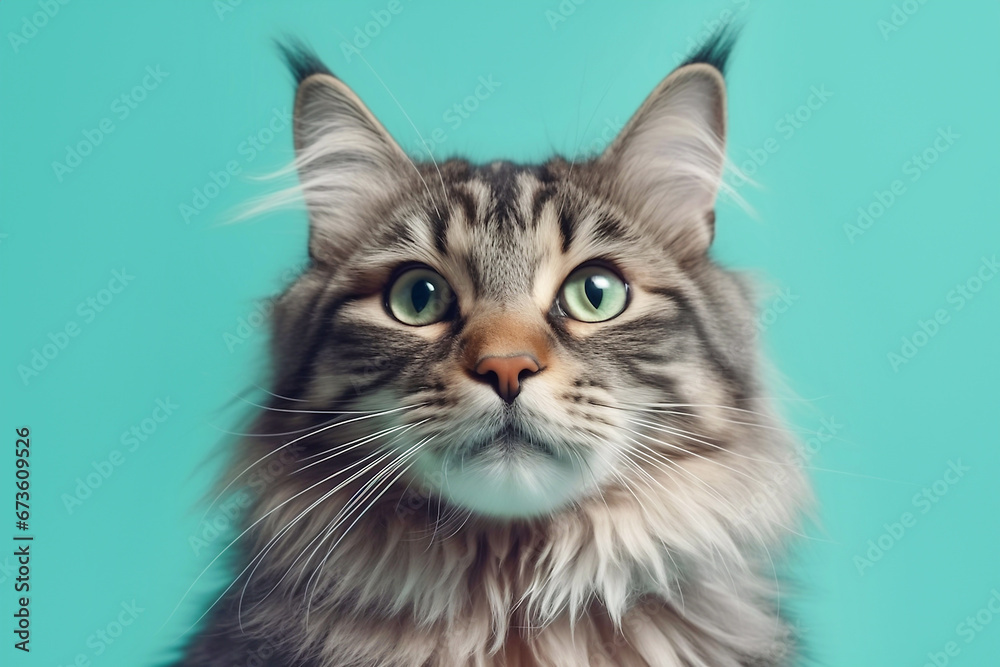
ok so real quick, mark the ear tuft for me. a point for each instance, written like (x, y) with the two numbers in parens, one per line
(347, 161)
(301, 60)
(717, 49)
(667, 162)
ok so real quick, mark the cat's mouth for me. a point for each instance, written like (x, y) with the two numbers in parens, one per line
(510, 466)
(509, 439)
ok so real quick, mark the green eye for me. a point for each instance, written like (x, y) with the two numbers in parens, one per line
(593, 294)
(418, 297)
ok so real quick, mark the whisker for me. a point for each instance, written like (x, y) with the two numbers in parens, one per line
(267, 435)
(300, 438)
(791, 464)
(273, 541)
(226, 548)
(284, 398)
(444, 189)
(689, 435)
(678, 466)
(259, 558)
(681, 413)
(250, 527)
(695, 454)
(337, 450)
(397, 465)
(732, 507)
(306, 412)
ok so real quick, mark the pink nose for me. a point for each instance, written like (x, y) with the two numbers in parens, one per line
(505, 373)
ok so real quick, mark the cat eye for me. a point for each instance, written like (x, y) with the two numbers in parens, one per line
(593, 293)
(419, 296)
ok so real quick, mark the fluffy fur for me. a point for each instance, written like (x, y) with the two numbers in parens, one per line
(623, 510)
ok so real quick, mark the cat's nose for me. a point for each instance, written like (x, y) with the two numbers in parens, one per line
(507, 373)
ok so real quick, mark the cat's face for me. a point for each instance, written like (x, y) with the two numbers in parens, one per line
(511, 336)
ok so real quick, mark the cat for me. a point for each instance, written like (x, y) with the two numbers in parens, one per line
(517, 416)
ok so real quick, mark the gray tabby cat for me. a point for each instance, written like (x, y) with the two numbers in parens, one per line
(516, 414)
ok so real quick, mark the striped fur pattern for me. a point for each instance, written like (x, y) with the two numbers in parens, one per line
(621, 511)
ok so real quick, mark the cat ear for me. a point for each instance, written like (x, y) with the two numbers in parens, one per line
(347, 161)
(667, 161)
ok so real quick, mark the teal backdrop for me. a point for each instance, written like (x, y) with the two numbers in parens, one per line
(132, 315)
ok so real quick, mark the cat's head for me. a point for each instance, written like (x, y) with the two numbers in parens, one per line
(512, 338)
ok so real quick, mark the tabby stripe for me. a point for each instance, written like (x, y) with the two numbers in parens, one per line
(318, 326)
(468, 205)
(567, 228)
(725, 370)
(609, 228)
(503, 182)
(439, 228)
(542, 196)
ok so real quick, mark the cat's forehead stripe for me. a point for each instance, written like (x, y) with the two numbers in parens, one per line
(491, 214)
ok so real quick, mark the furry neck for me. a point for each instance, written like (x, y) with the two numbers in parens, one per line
(615, 578)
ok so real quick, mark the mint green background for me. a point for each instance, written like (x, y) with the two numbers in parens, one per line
(163, 336)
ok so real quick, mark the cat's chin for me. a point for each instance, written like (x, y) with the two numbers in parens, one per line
(516, 481)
